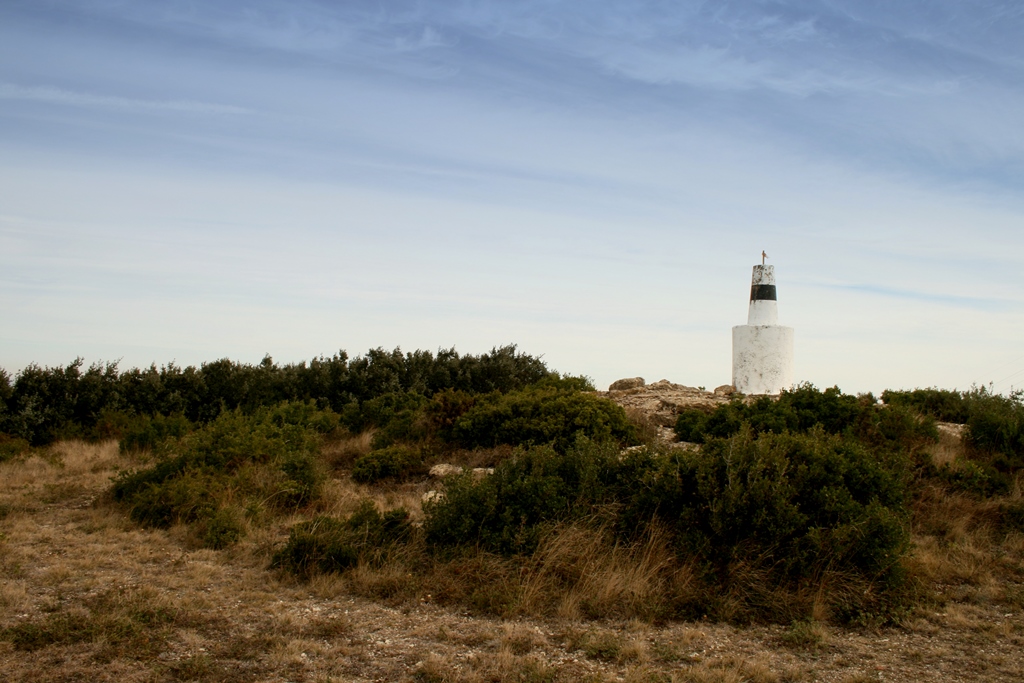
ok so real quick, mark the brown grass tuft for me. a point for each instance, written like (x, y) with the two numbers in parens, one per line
(342, 452)
(731, 669)
(950, 446)
(503, 666)
(577, 572)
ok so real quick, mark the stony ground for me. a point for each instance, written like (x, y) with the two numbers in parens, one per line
(660, 402)
(88, 596)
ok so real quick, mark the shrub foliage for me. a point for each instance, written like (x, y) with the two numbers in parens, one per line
(44, 404)
(541, 415)
(806, 407)
(807, 494)
(393, 462)
(994, 435)
(788, 508)
(327, 544)
(267, 459)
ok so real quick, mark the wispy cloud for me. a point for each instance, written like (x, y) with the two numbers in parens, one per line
(791, 47)
(935, 297)
(516, 147)
(51, 95)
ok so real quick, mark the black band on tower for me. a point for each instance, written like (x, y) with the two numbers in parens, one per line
(762, 292)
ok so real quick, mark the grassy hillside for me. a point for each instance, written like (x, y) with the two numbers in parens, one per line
(228, 544)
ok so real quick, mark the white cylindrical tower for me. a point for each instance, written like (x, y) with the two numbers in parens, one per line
(762, 351)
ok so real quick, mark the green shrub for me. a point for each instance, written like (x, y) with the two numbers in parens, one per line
(995, 427)
(507, 511)
(302, 479)
(697, 426)
(995, 423)
(142, 433)
(12, 447)
(221, 528)
(305, 414)
(941, 404)
(794, 503)
(326, 544)
(268, 458)
(396, 417)
(444, 411)
(41, 405)
(894, 427)
(978, 479)
(753, 513)
(394, 462)
(542, 415)
(566, 382)
(184, 498)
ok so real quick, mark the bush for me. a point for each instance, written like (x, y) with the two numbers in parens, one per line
(326, 544)
(394, 462)
(396, 410)
(222, 528)
(894, 427)
(995, 428)
(507, 511)
(143, 433)
(977, 479)
(12, 447)
(942, 404)
(44, 404)
(264, 459)
(542, 415)
(444, 411)
(795, 503)
(754, 513)
(995, 423)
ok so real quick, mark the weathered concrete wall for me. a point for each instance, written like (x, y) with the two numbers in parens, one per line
(762, 358)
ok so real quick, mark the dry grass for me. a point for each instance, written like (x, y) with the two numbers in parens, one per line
(87, 595)
(950, 446)
(499, 667)
(577, 572)
(341, 453)
(961, 551)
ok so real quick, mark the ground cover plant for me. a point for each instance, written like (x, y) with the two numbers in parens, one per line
(776, 527)
(994, 435)
(41, 405)
(792, 509)
(815, 511)
(228, 447)
(235, 469)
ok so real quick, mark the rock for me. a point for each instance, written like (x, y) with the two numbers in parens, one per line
(624, 384)
(481, 472)
(725, 390)
(661, 402)
(431, 497)
(443, 470)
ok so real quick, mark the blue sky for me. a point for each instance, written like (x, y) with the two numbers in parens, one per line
(592, 181)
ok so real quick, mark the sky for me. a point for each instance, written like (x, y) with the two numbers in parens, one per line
(187, 181)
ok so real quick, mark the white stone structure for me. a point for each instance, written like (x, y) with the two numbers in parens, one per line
(762, 350)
